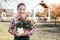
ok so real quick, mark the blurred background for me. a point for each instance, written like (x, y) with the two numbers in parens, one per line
(46, 13)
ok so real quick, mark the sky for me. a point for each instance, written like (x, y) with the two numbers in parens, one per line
(30, 4)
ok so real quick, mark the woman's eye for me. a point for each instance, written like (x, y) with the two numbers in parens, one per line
(20, 9)
(24, 9)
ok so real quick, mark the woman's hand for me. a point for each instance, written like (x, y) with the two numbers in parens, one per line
(17, 34)
(25, 33)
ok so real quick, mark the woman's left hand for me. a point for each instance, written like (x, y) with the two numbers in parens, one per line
(25, 33)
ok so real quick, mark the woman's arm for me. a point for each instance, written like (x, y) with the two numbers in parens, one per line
(33, 30)
(12, 28)
(28, 33)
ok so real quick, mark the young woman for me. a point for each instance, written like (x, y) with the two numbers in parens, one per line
(12, 28)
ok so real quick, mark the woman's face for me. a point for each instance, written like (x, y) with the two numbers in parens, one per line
(21, 10)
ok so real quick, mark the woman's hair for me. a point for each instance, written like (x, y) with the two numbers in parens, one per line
(20, 5)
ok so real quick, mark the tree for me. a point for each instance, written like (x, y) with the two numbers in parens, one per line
(55, 11)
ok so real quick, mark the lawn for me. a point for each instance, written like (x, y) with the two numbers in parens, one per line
(42, 33)
(4, 35)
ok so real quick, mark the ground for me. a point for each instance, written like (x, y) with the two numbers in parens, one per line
(42, 33)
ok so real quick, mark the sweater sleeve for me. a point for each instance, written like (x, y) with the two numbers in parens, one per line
(32, 31)
(12, 28)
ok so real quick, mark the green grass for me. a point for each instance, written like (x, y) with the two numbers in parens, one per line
(42, 33)
(4, 34)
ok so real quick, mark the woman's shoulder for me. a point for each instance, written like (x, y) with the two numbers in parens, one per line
(14, 18)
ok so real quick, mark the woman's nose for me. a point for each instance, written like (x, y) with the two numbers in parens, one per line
(22, 11)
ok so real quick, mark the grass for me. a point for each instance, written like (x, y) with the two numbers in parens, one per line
(42, 33)
(4, 35)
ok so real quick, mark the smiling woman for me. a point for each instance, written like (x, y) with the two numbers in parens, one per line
(19, 21)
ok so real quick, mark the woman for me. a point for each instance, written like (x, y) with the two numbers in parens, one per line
(12, 28)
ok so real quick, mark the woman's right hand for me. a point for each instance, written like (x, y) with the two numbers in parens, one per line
(17, 34)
